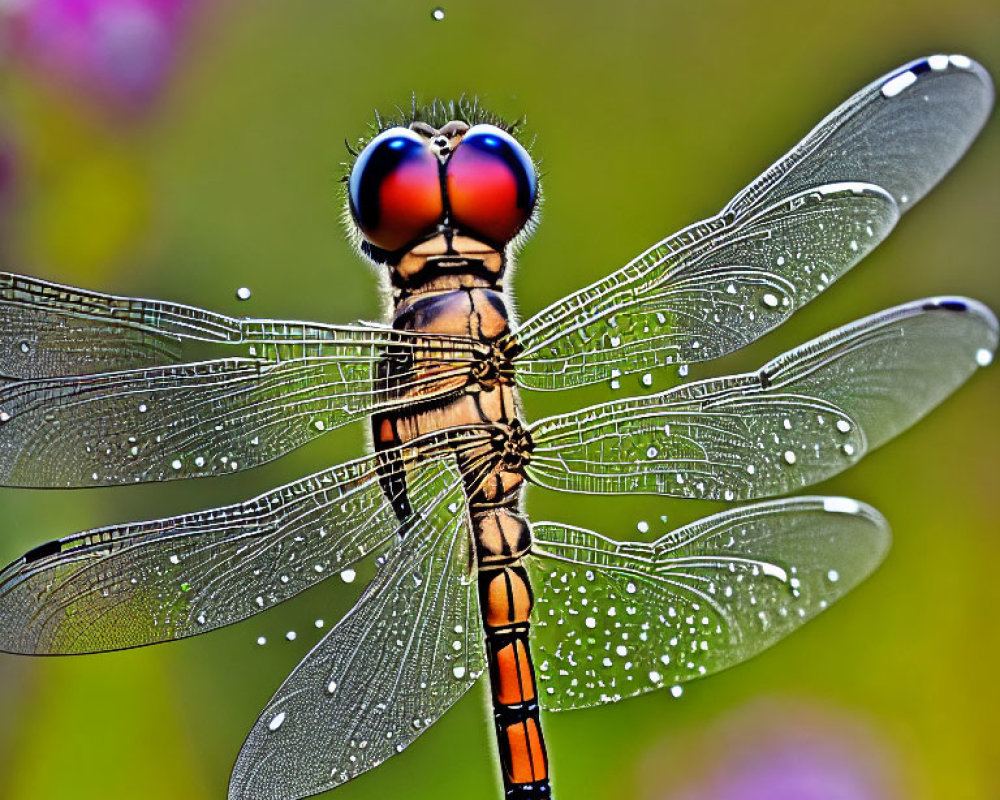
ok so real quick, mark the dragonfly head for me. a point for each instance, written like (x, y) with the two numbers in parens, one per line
(433, 197)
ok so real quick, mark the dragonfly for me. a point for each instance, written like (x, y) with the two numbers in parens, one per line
(102, 390)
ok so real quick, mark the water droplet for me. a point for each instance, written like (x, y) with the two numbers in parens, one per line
(848, 449)
(590, 622)
(676, 691)
(348, 576)
(843, 426)
(631, 588)
(175, 560)
(770, 300)
(437, 14)
(25, 347)
(789, 457)
(642, 526)
(143, 408)
(4, 416)
(243, 293)
(176, 463)
(291, 636)
(833, 576)
(647, 379)
(984, 357)
(654, 676)
(319, 623)
(652, 452)
(276, 722)
(331, 687)
(261, 640)
(459, 672)
(319, 425)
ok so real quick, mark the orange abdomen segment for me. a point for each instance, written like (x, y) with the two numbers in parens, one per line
(527, 755)
(513, 682)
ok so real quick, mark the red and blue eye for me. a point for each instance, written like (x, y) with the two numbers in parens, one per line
(395, 190)
(492, 185)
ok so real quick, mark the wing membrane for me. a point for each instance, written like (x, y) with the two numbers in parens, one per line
(149, 423)
(406, 652)
(721, 283)
(146, 582)
(801, 418)
(616, 619)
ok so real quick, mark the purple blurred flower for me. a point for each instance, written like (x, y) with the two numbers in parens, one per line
(122, 49)
(777, 751)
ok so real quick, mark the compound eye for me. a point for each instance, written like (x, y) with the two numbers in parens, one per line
(395, 189)
(491, 184)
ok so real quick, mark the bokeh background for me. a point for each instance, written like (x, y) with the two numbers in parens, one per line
(183, 148)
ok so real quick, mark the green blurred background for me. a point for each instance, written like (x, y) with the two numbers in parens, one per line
(648, 116)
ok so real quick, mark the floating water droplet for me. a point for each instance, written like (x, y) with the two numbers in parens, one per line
(789, 457)
(319, 425)
(843, 426)
(458, 672)
(590, 622)
(25, 347)
(676, 691)
(143, 408)
(176, 463)
(331, 687)
(243, 293)
(984, 357)
(652, 452)
(647, 379)
(770, 300)
(348, 576)
(437, 14)
(4, 416)
(319, 623)
(642, 526)
(175, 560)
(848, 449)
(276, 722)
(291, 636)
(631, 588)
(654, 676)
(261, 640)
(833, 576)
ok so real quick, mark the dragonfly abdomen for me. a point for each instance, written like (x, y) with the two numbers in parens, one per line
(506, 599)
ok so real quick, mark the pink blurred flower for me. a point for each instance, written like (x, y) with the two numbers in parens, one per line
(777, 750)
(122, 49)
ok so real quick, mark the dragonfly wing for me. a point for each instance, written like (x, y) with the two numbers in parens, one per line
(195, 420)
(59, 427)
(722, 283)
(407, 651)
(801, 418)
(616, 619)
(146, 582)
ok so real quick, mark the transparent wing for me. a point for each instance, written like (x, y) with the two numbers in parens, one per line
(615, 619)
(801, 418)
(49, 330)
(722, 283)
(147, 582)
(155, 423)
(406, 652)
